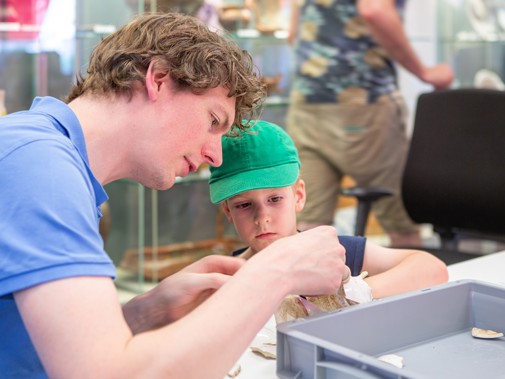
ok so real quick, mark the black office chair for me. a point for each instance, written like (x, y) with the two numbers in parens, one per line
(454, 176)
(366, 197)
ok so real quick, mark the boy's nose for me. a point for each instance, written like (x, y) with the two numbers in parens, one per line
(262, 216)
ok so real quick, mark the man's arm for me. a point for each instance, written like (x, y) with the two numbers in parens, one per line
(79, 331)
(387, 29)
(180, 293)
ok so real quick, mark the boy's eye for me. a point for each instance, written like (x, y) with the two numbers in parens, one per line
(242, 205)
(275, 199)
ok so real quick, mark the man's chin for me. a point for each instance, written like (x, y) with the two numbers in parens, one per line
(160, 184)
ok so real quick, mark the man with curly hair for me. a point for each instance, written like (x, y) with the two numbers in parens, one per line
(157, 97)
(347, 115)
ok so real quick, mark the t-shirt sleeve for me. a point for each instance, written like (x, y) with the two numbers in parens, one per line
(354, 252)
(49, 225)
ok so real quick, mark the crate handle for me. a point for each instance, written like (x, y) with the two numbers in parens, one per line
(350, 372)
(286, 374)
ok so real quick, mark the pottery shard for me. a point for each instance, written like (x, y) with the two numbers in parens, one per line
(485, 333)
(292, 306)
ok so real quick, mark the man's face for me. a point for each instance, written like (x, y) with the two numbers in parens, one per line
(265, 215)
(184, 131)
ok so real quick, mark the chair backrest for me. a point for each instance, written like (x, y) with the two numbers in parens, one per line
(455, 171)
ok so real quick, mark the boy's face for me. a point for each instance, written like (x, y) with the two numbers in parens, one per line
(265, 215)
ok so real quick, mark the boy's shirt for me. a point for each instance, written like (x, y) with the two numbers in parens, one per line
(354, 252)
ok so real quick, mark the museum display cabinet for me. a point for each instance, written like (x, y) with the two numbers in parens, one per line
(471, 38)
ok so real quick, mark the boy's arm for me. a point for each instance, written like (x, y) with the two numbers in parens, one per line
(393, 271)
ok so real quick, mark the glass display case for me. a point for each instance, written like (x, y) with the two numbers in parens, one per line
(471, 38)
(260, 27)
(153, 233)
(36, 49)
(273, 57)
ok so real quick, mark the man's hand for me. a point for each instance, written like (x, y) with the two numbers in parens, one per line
(180, 293)
(309, 263)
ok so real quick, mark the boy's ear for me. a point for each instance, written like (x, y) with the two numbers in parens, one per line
(226, 210)
(154, 79)
(300, 195)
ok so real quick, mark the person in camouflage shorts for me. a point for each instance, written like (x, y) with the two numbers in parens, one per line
(346, 115)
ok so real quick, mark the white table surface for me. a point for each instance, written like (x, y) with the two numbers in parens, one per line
(489, 268)
(253, 366)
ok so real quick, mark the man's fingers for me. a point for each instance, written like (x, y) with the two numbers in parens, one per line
(216, 263)
(211, 281)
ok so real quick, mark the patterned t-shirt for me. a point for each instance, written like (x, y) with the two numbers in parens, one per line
(337, 60)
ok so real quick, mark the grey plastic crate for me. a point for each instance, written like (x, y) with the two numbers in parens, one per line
(430, 329)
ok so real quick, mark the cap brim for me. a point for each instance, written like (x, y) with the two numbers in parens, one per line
(271, 177)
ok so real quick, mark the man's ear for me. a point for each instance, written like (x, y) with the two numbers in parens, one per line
(300, 195)
(226, 210)
(155, 78)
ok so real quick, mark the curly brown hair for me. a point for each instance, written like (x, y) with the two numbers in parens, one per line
(196, 58)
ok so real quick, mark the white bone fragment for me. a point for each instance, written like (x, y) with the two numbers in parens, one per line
(392, 359)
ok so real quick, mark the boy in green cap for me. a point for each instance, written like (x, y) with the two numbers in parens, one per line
(260, 191)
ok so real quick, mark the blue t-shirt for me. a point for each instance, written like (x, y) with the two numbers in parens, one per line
(354, 252)
(50, 209)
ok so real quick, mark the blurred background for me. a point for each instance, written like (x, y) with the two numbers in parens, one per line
(44, 44)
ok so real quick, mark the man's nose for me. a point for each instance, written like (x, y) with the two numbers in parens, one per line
(213, 153)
